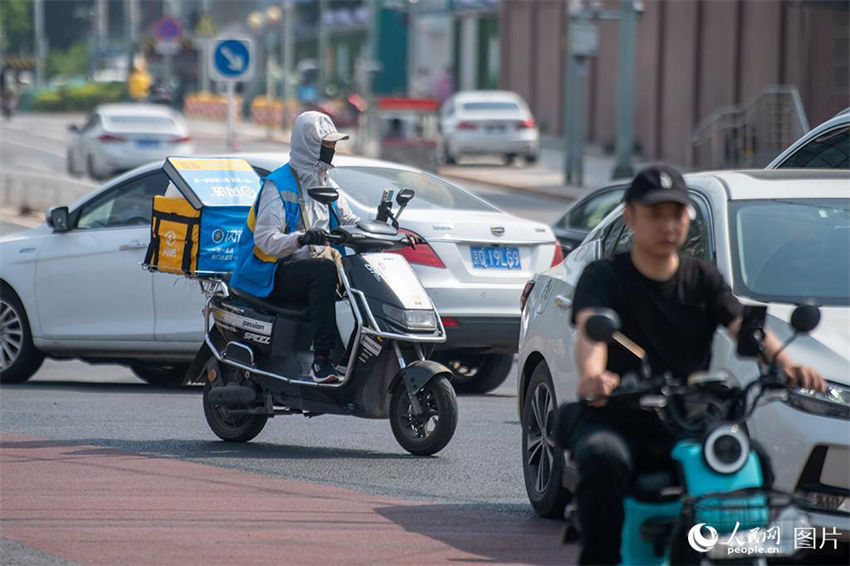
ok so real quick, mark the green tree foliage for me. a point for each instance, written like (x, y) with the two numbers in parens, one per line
(16, 23)
(68, 63)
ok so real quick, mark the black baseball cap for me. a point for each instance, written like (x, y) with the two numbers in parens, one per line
(657, 183)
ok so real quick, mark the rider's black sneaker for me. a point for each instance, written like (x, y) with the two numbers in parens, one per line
(323, 371)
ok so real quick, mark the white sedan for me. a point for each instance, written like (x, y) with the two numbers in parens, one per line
(487, 122)
(780, 238)
(118, 137)
(80, 291)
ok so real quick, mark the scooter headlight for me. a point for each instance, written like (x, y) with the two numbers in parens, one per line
(726, 448)
(412, 319)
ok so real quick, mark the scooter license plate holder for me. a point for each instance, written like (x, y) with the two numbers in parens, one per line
(495, 257)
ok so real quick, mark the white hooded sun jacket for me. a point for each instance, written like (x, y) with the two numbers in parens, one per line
(307, 134)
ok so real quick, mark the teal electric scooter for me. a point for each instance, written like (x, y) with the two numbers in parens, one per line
(716, 507)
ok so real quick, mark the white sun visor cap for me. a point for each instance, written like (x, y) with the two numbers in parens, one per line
(335, 137)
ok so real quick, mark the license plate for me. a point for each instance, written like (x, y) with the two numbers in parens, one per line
(496, 130)
(147, 143)
(495, 258)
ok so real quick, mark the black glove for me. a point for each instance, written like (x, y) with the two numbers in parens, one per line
(313, 237)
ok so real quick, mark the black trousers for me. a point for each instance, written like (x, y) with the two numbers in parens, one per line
(607, 455)
(609, 447)
(311, 282)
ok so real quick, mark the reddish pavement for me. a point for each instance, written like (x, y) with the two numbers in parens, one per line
(96, 505)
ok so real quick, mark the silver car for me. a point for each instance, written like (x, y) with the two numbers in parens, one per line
(118, 137)
(487, 122)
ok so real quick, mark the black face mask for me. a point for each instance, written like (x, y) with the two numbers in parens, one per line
(326, 154)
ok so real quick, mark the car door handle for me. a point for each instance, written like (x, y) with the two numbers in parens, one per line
(563, 302)
(133, 246)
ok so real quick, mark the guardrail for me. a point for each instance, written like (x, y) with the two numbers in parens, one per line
(749, 135)
(36, 191)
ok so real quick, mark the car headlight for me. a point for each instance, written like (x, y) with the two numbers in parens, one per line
(412, 319)
(835, 402)
(726, 448)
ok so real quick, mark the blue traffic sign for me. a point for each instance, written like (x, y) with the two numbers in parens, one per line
(231, 59)
(168, 29)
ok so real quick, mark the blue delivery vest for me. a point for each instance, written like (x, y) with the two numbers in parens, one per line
(255, 270)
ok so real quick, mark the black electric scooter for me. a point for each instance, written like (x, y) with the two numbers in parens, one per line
(256, 358)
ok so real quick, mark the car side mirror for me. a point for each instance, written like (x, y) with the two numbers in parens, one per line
(404, 196)
(73, 129)
(59, 219)
(805, 318)
(325, 195)
(601, 325)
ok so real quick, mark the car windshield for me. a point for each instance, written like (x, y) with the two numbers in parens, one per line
(127, 121)
(505, 106)
(366, 186)
(792, 250)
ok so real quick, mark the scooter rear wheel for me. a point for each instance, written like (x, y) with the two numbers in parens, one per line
(228, 427)
(430, 432)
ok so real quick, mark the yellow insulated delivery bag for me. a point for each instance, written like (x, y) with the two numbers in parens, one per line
(175, 235)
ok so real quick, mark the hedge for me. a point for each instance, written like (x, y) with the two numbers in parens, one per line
(80, 98)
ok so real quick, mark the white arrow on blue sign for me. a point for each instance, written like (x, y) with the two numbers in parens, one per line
(231, 59)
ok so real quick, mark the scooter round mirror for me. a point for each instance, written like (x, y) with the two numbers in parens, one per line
(601, 325)
(324, 195)
(805, 318)
(403, 197)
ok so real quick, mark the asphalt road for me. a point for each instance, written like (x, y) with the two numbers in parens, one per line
(468, 503)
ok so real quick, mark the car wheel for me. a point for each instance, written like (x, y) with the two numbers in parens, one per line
(69, 163)
(476, 373)
(90, 170)
(160, 374)
(509, 158)
(531, 159)
(19, 358)
(542, 460)
(448, 156)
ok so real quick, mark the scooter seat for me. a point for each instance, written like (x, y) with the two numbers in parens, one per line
(300, 312)
(655, 486)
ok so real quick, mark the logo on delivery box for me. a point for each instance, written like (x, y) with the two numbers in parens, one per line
(220, 236)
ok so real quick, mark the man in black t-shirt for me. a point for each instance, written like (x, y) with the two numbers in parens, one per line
(670, 304)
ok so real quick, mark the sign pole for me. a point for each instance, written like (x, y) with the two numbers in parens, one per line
(230, 140)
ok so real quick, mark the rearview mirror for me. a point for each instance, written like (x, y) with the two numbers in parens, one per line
(805, 318)
(602, 325)
(325, 195)
(404, 196)
(58, 219)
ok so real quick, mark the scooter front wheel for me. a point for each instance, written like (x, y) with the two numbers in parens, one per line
(431, 430)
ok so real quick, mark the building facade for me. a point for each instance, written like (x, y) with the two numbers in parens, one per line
(692, 58)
